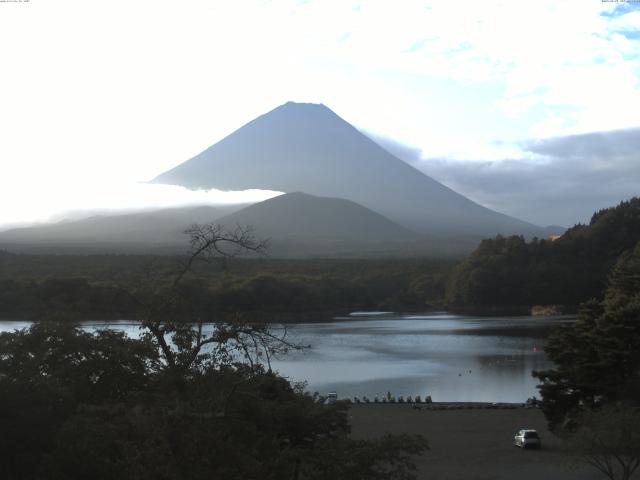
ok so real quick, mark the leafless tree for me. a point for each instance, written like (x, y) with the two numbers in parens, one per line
(188, 342)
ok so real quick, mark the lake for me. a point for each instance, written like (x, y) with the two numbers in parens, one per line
(450, 357)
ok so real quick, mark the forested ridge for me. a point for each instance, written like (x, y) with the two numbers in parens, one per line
(509, 271)
(503, 272)
(99, 286)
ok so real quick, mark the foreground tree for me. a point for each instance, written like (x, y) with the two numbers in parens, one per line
(608, 439)
(173, 309)
(48, 371)
(597, 359)
(188, 400)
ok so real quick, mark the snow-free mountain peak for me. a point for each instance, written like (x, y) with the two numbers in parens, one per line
(302, 147)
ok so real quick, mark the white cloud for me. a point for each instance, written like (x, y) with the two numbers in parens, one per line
(117, 92)
(42, 201)
(560, 180)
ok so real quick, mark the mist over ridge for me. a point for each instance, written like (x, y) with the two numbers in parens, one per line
(296, 225)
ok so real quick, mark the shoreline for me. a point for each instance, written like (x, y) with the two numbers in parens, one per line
(443, 405)
(313, 316)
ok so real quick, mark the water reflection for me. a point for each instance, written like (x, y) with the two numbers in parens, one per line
(451, 358)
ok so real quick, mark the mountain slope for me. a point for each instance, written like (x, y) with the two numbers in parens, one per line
(296, 224)
(135, 232)
(301, 225)
(306, 216)
(308, 148)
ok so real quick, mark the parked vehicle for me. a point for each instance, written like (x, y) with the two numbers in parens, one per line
(332, 397)
(527, 439)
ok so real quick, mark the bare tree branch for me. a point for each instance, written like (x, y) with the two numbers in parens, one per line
(168, 316)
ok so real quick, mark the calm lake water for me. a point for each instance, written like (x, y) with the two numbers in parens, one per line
(450, 357)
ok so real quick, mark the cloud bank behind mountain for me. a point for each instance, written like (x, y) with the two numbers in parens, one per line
(557, 181)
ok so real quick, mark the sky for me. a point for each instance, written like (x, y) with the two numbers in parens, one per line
(527, 107)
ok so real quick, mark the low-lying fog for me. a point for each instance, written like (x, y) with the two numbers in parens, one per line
(46, 202)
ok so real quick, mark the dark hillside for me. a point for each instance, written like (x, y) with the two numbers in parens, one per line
(508, 271)
(153, 231)
(301, 215)
(97, 286)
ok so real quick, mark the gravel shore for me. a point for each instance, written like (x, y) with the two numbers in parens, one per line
(472, 443)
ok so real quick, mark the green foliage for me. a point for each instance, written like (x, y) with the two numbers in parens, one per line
(110, 287)
(182, 401)
(47, 371)
(608, 439)
(71, 296)
(597, 359)
(78, 405)
(508, 271)
(230, 424)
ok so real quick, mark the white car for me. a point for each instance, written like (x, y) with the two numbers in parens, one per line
(332, 397)
(527, 439)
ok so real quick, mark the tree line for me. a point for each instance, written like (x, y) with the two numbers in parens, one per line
(180, 402)
(509, 271)
(33, 287)
(591, 396)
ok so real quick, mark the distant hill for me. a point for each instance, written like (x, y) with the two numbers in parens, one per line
(508, 271)
(308, 148)
(143, 232)
(302, 215)
(298, 224)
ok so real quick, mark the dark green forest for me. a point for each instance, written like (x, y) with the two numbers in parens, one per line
(503, 272)
(509, 271)
(100, 286)
(79, 405)
(591, 395)
(176, 403)
(597, 359)
(179, 403)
